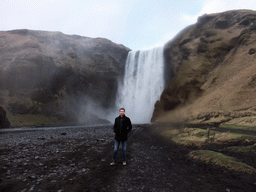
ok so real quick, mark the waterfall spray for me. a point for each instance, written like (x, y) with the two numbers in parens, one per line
(142, 85)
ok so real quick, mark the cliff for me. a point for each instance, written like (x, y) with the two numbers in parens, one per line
(48, 77)
(213, 67)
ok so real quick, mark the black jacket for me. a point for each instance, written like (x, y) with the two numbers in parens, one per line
(122, 127)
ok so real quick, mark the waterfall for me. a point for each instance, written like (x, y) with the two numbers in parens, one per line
(142, 85)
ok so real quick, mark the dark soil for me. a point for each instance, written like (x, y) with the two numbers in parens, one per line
(82, 164)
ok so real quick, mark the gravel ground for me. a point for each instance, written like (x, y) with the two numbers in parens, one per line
(37, 160)
(77, 159)
(160, 165)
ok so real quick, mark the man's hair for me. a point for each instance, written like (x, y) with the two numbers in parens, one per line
(121, 109)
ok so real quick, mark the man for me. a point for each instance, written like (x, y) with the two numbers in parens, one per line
(122, 127)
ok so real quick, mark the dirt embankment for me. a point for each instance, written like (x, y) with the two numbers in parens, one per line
(160, 158)
(213, 66)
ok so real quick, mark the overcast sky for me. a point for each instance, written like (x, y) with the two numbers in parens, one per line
(137, 24)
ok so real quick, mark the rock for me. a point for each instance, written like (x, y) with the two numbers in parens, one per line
(252, 51)
(198, 59)
(41, 138)
(32, 177)
(54, 76)
(4, 123)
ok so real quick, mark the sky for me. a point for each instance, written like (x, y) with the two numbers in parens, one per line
(137, 24)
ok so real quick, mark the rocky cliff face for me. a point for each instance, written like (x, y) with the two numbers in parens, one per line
(213, 67)
(49, 75)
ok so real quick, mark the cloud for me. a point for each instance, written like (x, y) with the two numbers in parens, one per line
(134, 23)
(164, 38)
(96, 18)
(215, 6)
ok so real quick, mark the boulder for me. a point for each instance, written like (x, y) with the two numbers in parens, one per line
(4, 123)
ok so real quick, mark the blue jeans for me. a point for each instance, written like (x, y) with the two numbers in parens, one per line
(116, 147)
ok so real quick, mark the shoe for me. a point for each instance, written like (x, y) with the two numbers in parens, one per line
(124, 163)
(113, 163)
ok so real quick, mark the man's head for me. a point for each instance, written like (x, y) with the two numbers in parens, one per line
(122, 111)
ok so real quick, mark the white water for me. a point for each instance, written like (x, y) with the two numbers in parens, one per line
(143, 84)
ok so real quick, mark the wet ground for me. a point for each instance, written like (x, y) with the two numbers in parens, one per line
(77, 159)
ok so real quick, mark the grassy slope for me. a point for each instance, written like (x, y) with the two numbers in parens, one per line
(216, 82)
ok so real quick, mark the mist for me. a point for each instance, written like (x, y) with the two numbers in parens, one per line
(92, 112)
(142, 84)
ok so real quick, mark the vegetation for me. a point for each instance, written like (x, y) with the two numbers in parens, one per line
(199, 137)
(33, 120)
(220, 159)
(243, 149)
(220, 148)
(239, 127)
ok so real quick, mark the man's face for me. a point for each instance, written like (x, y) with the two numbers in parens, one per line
(122, 112)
